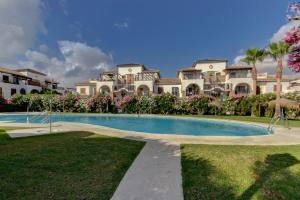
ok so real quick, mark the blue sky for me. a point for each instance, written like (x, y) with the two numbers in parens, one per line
(165, 34)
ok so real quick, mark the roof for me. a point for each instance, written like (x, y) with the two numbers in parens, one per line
(237, 67)
(109, 72)
(32, 71)
(49, 81)
(209, 61)
(13, 72)
(188, 69)
(85, 83)
(273, 78)
(151, 70)
(130, 65)
(168, 81)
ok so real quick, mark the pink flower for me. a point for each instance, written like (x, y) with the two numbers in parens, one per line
(292, 37)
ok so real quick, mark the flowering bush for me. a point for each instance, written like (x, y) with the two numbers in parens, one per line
(198, 104)
(146, 104)
(164, 104)
(69, 101)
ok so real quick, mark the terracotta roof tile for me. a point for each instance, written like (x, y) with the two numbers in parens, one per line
(168, 81)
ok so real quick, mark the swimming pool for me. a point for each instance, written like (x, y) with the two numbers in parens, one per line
(156, 124)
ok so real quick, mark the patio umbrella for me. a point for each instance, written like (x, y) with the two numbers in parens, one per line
(287, 103)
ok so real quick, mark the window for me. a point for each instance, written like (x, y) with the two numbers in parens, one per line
(13, 91)
(232, 75)
(82, 91)
(5, 78)
(22, 91)
(160, 90)
(175, 91)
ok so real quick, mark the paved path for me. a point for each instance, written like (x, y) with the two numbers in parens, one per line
(154, 175)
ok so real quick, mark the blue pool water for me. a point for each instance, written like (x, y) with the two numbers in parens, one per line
(160, 125)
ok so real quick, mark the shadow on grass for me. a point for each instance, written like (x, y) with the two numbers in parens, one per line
(198, 181)
(76, 165)
(273, 180)
(272, 176)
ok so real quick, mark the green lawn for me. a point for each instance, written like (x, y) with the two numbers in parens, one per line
(241, 172)
(77, 165)
(292, 123)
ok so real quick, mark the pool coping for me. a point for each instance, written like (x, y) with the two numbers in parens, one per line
(281, 136)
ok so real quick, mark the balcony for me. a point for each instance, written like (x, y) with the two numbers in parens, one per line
(240, 75)
(34, 83)
(128, 87)
(192, 76)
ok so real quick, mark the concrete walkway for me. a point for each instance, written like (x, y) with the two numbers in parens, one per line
(154, 175)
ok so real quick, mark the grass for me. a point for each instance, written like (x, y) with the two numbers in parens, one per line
(75, 165)
(241, 172)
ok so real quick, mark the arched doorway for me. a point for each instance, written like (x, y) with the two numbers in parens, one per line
(258, 89)
(143, 90)
(22, 91)
(192, 89)
(242, 89)
(105, 90)
(34, 91)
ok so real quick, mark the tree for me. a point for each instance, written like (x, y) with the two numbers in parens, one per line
(277, 51)
(252, 57)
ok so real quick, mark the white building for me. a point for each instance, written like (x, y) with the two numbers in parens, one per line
(211, 76)
(23, 81)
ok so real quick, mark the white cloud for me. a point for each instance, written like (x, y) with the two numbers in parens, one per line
(269, 65)
(43, 48)
(20, 21)
(279, 35)
(79, 62)
(123, 25)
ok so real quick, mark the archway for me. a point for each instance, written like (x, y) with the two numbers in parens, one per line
(22, 91)
(34, 91)
(143, 90)
(242, 89)
(192, 89)
(105, 90)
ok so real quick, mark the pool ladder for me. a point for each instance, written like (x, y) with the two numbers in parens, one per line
(42, 118)
(272, 123)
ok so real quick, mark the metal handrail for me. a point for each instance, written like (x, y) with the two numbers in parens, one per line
(272, 123)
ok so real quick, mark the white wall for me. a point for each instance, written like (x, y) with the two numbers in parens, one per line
(168, 89)
(130, 70)
(109, 84)
(89, 90)
(35, 76)
(6, 88)
(269, 86)
(185, 83)
(217, 66)
(147, 83)
(236, 81)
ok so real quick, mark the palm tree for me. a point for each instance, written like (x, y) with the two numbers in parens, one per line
(252, 57)
(277, 51)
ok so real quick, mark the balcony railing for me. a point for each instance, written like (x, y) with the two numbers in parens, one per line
(127, 87)
(11, 82)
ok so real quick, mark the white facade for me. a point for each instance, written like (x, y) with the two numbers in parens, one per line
(23, 81)
(212, 77)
